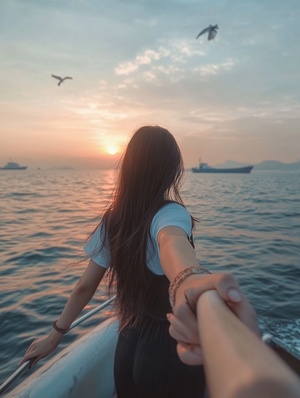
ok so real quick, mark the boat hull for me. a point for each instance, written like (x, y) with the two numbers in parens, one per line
(14, 168)
(238, 170)
(83, 369)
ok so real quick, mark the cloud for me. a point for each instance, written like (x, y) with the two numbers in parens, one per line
(174, 59)
(126, 68)
(144, 58)
(151, 69)
(213, 69)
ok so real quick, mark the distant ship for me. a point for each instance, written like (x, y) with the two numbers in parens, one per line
(13, 166)
(205, 168)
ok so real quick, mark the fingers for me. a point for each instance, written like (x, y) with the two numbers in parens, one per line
(228, 288)
(28, 355)
(190, 354)
(183, 325)
(182, 332)
(35, 361)
(38, 350)
(22, 361)
(225, 284)
(36, 354)
(183, 322)
(32, 358)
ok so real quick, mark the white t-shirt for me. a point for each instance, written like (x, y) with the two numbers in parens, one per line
(170, 215)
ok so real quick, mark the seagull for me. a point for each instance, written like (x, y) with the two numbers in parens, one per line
(61, 79)
(211, 30)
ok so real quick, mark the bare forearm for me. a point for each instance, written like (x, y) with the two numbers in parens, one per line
(176, 253)
(77, 301)
(237, 364)
(81, 295)
(43, 346)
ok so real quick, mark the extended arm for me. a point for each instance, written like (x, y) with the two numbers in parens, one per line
(237, 363)
(80, 296)
(176, 254)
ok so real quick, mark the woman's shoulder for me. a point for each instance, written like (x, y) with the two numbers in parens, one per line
(172, 214)
(171, 211)
(172, 207)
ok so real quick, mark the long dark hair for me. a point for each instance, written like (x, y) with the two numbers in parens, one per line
(150, 174)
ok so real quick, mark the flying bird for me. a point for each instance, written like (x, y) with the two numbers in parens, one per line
(61, 79)
(211, 30)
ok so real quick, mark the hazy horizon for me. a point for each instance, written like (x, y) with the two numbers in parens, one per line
(112, 164)
(135, 63)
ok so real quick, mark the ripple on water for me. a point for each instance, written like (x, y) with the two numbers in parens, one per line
(39, 235)
(45, 255)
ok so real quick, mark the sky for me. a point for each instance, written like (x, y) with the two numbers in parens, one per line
(138, 62)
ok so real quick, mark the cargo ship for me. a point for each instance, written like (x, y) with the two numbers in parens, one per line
(13, 166)
(206, 168)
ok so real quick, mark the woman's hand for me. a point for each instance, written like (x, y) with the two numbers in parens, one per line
(42, 347)
(81, 295)
(183, 322)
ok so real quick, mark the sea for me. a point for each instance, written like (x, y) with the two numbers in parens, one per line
(249, 225)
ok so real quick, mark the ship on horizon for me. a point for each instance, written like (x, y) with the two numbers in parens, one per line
(13, 166)
(206, 168)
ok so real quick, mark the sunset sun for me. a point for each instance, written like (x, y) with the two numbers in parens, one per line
(111, 149)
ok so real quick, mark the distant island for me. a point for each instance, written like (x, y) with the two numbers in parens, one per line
(266, 165)
(276, 165)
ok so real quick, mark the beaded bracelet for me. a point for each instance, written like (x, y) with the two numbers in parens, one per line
(59, 330)
(180, 277)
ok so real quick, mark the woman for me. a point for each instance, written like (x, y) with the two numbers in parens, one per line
(143, 242)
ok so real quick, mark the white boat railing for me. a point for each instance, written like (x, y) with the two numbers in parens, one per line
(21, 369)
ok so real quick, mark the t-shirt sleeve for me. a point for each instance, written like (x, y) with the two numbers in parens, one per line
(171, 215)
(95, 250)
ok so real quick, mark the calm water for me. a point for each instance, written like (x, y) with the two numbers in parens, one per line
(249, 225)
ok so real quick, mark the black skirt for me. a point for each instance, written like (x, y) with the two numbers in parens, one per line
(146, 362)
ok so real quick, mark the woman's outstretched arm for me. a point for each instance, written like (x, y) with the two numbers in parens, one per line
(177, 254)
(80, 296)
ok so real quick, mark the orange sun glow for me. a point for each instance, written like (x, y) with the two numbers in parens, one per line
(112, 149)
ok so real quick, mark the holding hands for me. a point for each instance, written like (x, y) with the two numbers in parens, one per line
(183, 321)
